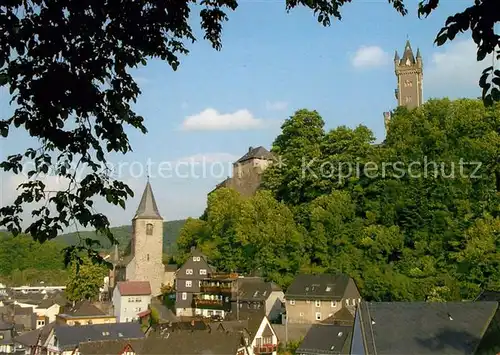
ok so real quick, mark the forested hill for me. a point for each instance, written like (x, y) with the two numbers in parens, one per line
(415, 218)
(123, 234)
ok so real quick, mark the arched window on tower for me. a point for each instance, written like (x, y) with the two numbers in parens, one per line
(149, 229)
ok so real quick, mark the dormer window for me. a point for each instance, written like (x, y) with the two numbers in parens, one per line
(196, 258)
(189, 271)
(149, 229)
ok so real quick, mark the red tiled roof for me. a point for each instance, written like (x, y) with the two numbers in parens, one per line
(134, 288)
(144, 313)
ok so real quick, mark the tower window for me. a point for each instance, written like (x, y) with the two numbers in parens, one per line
(408, 84)
(149, 229)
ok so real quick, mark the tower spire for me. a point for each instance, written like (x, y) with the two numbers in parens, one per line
(147, 207)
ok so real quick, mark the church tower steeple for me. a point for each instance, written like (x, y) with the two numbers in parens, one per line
(409, 73)
(147, 243)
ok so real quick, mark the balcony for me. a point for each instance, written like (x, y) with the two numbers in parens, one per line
(215, 289)
(265, 349)
(210, 304)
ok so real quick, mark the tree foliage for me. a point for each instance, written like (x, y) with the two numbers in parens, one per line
(67, 63)
(414, 218)
(85, 281)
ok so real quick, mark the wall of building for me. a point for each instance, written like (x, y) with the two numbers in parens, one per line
(127, 307)
(85, 320)
(148, 254)
(306, 311)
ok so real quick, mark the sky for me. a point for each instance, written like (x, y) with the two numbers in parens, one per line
(206, 114)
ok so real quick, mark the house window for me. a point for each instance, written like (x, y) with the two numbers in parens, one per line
(189, 283)
(196, 258)
(333, 304)
(126, 319)
(189, 271)
(301, 314)
(203, 271)
(184, 296)
(292, 302)
(318, 316)
(347, 302)
(131, 299)
(149, 229)
(317, 303)
(138, 299)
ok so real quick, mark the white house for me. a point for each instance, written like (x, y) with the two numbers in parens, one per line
(131, 298)
(265, 339)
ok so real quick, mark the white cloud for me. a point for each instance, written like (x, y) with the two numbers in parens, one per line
(211, 120)
(276, 106)
(370, 57)
(454, 70)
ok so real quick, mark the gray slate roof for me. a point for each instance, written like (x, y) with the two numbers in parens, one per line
(326, 339)
(70, 336)
(147, 207)
(424, 328)
(256, 153)
(323, 286)
(201, 342)
(254, 289)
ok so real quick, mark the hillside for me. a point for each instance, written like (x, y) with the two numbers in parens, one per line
(171, 230)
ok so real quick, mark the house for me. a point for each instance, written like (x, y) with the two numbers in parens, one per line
(183, 342)
(313, 298)
(188, 281)
(258, 334)
(83, 312)
(33, 342)
(7, 334)
(326, 339)
(422, 328)
(131, 298)
(255, 295)
(47, 308)
(214, 298)
(65, 340)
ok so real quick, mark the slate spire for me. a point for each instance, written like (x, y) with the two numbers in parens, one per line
(147, 207)
(408, 54)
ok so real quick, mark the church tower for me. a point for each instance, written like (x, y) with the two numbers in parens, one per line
(147, 243)
(409, 72)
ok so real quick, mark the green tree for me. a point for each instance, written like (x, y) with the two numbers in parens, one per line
(88, 49)
(85, 281)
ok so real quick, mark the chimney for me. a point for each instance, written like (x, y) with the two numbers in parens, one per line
(250, 149)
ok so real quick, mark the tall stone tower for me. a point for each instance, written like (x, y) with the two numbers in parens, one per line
(409, 72)
(147, 243)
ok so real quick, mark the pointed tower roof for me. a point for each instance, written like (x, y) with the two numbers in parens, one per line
(147, 207)
(396, 56)
(408, 54)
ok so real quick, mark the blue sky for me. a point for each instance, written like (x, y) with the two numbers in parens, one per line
(271, 64)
